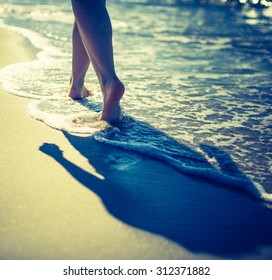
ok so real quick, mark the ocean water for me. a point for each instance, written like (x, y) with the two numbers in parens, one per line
(197, 75)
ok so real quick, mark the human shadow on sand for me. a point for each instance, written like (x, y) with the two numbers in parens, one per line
(197, 214)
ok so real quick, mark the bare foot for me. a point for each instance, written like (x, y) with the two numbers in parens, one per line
(113, 91)
(77, 89)
(78, 92)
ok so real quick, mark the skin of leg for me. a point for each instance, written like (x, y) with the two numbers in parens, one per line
(80, 65)
(80, 62)
(95, 31)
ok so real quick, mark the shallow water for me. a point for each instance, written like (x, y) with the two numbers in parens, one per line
(198, 83)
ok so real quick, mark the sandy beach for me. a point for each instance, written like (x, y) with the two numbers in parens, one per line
(93, 201)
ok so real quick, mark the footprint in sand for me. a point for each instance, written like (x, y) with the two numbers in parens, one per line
(121, 162)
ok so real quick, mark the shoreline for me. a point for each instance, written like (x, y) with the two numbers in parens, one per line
(93, 201)
(45, 212)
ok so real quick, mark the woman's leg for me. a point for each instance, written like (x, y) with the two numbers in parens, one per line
(95, 30)
(80, 65)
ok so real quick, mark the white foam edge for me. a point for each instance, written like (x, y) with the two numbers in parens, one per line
(38, 41)
(6, 85)
(212, 174)
(60, 122)
(45, 53)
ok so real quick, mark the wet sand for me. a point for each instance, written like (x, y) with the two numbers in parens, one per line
(98, 202)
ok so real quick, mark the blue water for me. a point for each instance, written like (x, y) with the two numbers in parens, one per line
(198, 83)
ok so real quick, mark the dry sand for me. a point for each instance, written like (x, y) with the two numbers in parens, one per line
(100, 202)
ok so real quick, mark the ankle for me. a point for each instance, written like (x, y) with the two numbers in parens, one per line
(112, 82)
(113, 90)
(76, 83)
